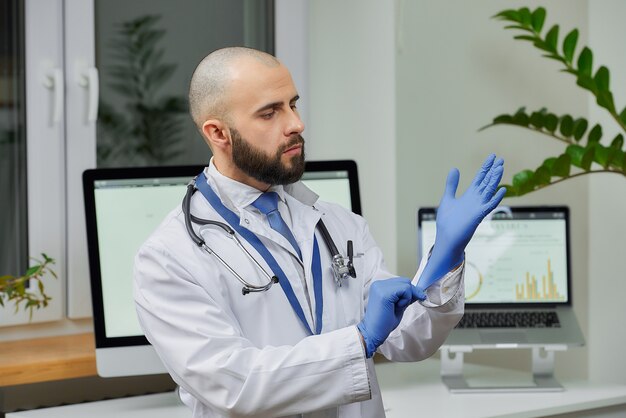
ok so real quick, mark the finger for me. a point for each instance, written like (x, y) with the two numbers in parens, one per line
(490, 185)
(496, 176)
(484, 169)
(395, 287)
(485, 182)
(452, 182)
(404, 295)
(418, 294)
(496, 199)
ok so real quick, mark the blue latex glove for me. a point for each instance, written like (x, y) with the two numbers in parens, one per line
(388, 299)
(457, 219)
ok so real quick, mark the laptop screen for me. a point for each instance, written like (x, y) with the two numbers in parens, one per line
(518, 257)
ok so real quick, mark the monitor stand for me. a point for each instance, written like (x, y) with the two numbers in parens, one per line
(542, 368)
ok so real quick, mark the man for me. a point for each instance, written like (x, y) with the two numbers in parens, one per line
(304, 347)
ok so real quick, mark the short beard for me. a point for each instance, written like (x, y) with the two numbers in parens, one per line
(267, 169)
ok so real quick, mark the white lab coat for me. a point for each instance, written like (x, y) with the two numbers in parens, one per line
(236, 355)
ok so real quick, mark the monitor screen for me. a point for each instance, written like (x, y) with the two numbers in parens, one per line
(518, 256)
(123, 207)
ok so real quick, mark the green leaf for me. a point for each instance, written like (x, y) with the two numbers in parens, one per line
(525, 16)
(510, 190)
(503, 119)
(551, 122)
(549, 163)
(587, 83)
(561, 166)
(618, 142)
(538, 17)
(540, 44)
(520, 117)
(537, 119)
(585, 62)
(520, 27)
(552, 38)
(622, 116)
(587, 158)
(32, 270)
(512, 15)
(605, 100)
(541, 176)
(580, 127)
(602, 78)
(523, 181)
(576, 153)
(555, 57)
(604, 155)
(595, 134)
(525, 38)
(566, 125)
(569, 45)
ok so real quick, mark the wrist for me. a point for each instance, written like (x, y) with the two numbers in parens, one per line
(367, 344)
(446, 259)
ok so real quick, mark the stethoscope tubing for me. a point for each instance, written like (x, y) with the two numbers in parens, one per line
(189, 218)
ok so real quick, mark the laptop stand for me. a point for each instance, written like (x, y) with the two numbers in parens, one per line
(542, 368)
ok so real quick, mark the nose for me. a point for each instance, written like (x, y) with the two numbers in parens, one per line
(295, 125)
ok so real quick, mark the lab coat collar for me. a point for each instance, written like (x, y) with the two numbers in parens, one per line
(236, 196)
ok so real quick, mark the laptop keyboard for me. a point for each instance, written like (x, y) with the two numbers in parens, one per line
(524, 319)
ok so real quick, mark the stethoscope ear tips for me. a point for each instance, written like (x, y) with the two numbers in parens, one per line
(274, 279)
(244, 291)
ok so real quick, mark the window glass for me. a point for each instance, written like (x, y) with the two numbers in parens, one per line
(146, 52)
(13, 214)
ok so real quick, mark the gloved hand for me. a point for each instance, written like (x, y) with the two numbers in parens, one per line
(388, 299)
(457, 219)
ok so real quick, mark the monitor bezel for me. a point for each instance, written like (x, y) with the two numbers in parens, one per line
(89, 178)
(350, 167)
(516, 209)
(92, 175)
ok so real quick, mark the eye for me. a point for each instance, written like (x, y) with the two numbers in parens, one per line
(293, 106)
(268, 115)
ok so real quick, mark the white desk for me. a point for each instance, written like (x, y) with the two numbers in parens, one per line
(406, 388)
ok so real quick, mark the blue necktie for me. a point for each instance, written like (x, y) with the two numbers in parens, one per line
(267, 203)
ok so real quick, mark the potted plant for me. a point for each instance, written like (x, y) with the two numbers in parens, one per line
(584, 153)
(15, 288)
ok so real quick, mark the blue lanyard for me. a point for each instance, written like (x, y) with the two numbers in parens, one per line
(316, 266)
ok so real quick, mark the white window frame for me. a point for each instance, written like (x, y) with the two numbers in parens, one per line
(60, 71)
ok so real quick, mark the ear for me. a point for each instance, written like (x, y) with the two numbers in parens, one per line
(216, 134)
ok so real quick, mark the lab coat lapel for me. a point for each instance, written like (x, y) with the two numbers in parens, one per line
(257, 224)
(291, 264)
(304, 219)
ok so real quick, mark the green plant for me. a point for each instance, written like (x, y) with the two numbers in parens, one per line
(147, 130)
(14, 288)
(580, 156)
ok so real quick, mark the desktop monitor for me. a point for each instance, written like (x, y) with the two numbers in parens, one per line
(122, 208)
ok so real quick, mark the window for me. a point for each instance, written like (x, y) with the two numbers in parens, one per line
(104, 84)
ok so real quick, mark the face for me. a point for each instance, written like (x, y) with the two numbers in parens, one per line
(269, 169)
(266, 145)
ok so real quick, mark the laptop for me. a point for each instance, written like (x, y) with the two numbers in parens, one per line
(518, 285)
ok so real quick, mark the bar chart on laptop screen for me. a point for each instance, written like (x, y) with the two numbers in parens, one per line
(514, 261)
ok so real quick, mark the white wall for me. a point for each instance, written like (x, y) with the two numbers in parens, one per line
(607, 206)
(456, 70)
(352, 102)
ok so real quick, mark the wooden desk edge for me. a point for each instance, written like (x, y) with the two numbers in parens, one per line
(45, 359)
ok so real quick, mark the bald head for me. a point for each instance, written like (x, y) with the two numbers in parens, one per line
(208, 90)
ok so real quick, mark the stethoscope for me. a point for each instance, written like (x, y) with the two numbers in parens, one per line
(341, 268)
